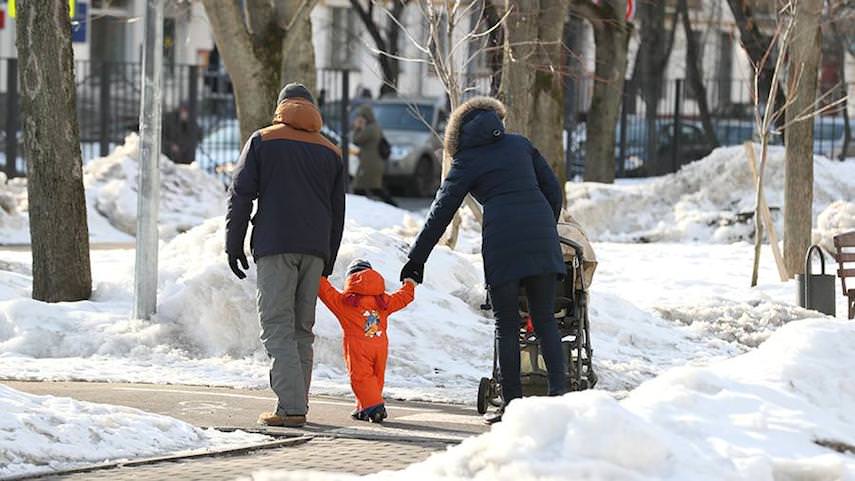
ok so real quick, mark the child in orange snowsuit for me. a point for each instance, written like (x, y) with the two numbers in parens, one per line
(363, 310)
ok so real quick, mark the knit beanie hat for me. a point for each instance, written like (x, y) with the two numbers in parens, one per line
(295, 90)
(358, 265)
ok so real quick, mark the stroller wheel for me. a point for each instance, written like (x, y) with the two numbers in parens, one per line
(484, 395)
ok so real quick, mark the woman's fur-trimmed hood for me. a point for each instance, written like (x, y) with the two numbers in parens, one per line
(455, 120)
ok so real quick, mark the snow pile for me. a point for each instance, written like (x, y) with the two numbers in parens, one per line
(710, 200)
(837, 218)
(46, 433)
(14, 226)
(208, 313)
(188, 196)
(783, 411)
(206, 329)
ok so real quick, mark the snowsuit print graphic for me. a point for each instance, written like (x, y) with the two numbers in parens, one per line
(363, 309)
(372, 324)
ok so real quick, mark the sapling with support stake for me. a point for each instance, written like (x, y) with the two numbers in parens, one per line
(445, 41)
(768, 122)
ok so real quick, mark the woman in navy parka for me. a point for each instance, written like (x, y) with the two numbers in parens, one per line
(522, 201)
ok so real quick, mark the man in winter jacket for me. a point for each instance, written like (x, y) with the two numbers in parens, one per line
(297, 177)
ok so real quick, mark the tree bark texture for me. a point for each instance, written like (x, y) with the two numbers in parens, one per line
(264, 45)
(611, 38)
(803, 61)
(695, 77)
(532, 84)
(756, 44)
(57, 204)
(649, 74)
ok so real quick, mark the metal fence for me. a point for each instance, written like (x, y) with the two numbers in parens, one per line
(646, 145)
(108, 103)
(108, 96)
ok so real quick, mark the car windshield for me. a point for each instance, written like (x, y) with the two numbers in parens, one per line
(404, 116)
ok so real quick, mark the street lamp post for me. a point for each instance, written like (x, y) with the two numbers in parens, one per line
(148, 198)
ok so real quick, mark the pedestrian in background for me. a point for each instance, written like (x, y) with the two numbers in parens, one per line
(181, 135)
(297, 177)
(368, 135)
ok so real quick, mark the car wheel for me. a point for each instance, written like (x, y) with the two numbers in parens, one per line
(425, 180)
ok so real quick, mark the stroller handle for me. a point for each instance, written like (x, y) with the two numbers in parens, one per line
(573, 244)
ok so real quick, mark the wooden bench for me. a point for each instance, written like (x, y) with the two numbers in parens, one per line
(845, 245)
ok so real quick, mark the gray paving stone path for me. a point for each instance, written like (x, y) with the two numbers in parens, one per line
(332, 441)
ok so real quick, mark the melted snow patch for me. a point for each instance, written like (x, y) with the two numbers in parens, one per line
(747, 323)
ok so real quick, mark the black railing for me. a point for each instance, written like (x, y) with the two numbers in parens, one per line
(646, 145)
(108, 97)
(108, 103)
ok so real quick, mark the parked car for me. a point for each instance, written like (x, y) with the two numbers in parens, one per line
(693, 144)
(413, 127)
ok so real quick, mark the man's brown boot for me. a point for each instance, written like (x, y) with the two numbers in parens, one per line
(288, 421)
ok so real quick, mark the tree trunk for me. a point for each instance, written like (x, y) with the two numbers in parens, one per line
(696, 81)
(532, 85)
(756, 45)
(262, 53)
(839, 47)
(611, 38)
(299, 63)
(650, 70)
(495, 46)
(387, 47)
(651, 79)
(57, 204)
(803, 54)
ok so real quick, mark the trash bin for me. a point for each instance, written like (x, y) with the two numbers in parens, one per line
(816, 291)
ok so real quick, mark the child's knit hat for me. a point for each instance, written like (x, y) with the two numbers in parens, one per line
(358, 265)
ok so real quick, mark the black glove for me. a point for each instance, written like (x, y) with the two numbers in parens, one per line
(328, 269)
(233, 263)
(413, 270)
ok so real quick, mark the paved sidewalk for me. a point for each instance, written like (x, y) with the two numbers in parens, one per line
(334, 442)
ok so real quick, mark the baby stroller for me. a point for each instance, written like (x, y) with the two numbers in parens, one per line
(571, 313)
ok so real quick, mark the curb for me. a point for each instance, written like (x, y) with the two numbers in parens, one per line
(281, 443)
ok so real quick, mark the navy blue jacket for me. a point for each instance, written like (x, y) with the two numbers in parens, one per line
(519, 192)
(298, 178)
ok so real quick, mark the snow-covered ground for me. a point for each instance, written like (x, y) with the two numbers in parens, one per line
(46, 433)
(188, 196)
(711, 200)
(678, 310)
(653, 307)
(785, 411)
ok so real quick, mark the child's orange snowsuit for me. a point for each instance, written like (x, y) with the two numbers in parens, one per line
(363, 310)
